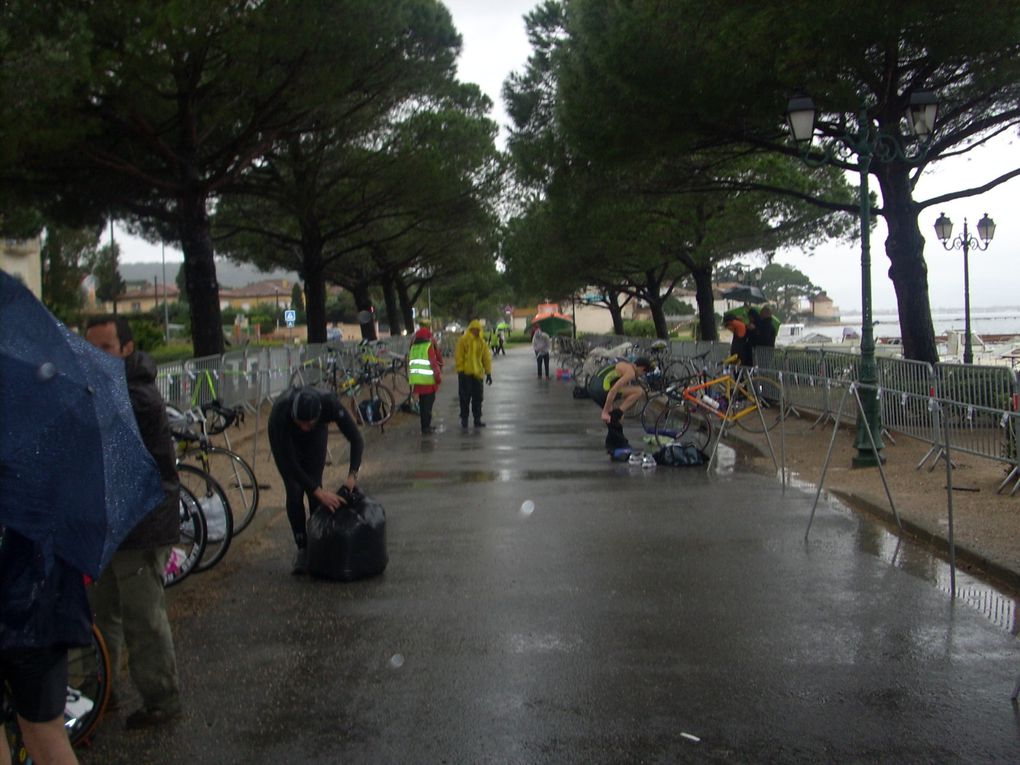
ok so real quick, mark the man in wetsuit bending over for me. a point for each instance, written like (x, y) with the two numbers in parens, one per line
(298, 432)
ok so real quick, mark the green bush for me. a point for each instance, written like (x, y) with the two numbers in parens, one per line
(148, 334)
(174, 351)
(637, 328)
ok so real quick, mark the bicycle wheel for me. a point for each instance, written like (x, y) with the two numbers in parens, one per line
(88, 688)
(398, 384)
(761, 413)
(188, 550)
(653, 410)
(215, 507)
(672, 422)
(375, 404)
(235, 476)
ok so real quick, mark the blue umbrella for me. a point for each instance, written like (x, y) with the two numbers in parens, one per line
(75, 476)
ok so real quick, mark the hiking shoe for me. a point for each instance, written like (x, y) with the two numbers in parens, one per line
(463, 423)
(635, 458)
(300, 567)
(479, 424)
(150, 718)
(648, 461)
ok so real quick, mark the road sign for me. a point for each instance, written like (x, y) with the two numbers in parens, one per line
(290, 316)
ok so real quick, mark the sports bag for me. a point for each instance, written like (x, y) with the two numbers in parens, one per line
(679, 455)
(350, 543)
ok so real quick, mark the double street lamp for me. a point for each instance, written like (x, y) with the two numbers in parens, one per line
(869, 141)
(944, 231)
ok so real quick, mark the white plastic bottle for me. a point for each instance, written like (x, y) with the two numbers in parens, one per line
(709, 401)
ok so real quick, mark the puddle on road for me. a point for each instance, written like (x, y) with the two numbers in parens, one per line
(494, 476)
(875, 538)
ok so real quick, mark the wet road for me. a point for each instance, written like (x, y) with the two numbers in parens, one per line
(544, 605)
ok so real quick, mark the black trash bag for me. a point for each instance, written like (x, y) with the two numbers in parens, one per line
(350, 543)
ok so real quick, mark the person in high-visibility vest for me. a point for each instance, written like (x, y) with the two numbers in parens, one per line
(424, 372)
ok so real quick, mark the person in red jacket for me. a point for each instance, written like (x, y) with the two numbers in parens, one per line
(425, 366)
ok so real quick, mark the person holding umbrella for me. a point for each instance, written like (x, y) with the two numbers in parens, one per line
(128, 598)
(68, 498)
(473, 361)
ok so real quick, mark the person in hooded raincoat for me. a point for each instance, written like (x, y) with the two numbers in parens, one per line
(473, 361)
(425, 367)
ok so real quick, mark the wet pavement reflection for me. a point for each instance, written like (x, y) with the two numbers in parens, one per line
(543, 604)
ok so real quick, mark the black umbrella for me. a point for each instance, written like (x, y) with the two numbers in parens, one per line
(74, 474)
(745, 293)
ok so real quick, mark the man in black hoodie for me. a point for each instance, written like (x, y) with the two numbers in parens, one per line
(128, 599)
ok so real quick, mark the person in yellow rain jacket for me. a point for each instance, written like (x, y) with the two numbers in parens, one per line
(473, 360)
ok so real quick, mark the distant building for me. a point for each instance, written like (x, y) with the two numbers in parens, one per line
(822, 308)
(141, 297)
(22, 259)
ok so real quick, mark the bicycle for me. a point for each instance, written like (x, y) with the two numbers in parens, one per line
(392, 372)
(235, 476)
(88, 694)
(731, 400)
(366, 398)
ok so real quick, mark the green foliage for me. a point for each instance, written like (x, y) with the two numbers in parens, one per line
(174, 351)
(638, 328)
(66, 254)
(106, 269)
(266, 321)
(148, 334)
(674, 307)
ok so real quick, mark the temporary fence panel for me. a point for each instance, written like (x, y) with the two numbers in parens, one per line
(202, 378)
(905, 388)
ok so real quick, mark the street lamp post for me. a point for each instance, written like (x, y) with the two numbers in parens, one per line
(944, 231)
(868, 141)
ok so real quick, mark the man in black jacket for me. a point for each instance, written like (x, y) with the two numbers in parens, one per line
(128, 599)
(298, 434)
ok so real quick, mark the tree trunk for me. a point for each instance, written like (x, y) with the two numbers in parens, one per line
(659, 318)
(615, 311)
(907, 270)
(315, 296)
(393, 317)
(200, 276)
(366, 312)
(406, 303)
(706, 303)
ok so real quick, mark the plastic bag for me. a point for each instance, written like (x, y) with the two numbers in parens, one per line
(350, 543)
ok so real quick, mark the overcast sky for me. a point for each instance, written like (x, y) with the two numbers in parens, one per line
(495, 44)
